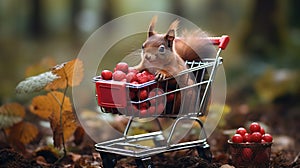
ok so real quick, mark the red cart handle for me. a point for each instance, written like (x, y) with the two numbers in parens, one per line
(220, 41)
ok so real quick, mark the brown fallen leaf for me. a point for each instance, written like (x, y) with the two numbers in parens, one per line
(11, 114)
(23, 132)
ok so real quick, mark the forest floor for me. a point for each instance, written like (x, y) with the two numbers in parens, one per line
(283, 125)
(86, 156)
(180, 159)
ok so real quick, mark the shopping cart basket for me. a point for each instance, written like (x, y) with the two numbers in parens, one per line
(116, 97)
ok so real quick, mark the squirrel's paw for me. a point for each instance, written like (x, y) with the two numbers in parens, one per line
(160, 75)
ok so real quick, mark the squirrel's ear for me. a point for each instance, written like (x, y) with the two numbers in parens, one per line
(171, 33)
(151, 26)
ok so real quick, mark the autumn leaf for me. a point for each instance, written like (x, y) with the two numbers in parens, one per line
(45, 105)
(11, 114)
(23, 132)
(69, 125)
(70, 73)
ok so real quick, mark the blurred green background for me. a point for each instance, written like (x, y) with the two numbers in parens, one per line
(262, 59)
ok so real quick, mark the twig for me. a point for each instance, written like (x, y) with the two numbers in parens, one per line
(296, 159)
(60, 113)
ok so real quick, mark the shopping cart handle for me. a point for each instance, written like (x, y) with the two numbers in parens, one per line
(220, 41)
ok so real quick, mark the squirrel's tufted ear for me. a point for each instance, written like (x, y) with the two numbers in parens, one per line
(171, 33)
(151, 26)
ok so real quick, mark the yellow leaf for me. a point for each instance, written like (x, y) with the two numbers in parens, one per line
(23, 132)
(69, 125)
(70, 73)
(11, 114)
(45, 105)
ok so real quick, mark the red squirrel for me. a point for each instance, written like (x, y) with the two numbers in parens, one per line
(165, 54)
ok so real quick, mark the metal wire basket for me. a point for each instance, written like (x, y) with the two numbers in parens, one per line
(114, 97)
(187, 102)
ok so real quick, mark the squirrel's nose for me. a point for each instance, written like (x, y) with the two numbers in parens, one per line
(147, 56)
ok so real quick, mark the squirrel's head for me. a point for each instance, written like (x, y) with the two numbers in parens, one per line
(159, 47)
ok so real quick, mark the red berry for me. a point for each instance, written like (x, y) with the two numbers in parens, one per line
(151, 77)
(132, 69)
(122, 66)
(246, 137)
(242, 131)
(151, 110)
(143, 112)
(254, 127)
(134, 82)
(170, 97)
(106, 74)
(132, 95)
(131, 76)
(152, 101)
(159, 99)
(262, 131)
(143, 94)
(267, 138)
(134, 86)
(143, 105)
(141, 78)
(160, 108)
(146, 73)
(237, 138)
(255, 137)
(247, 154)
(118, 75)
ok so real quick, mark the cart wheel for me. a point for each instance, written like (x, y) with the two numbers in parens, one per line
(108, 160)
(205, 153)
(144, 163)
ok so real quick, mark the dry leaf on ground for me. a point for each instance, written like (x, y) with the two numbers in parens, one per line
(11, 114)
(23, 132)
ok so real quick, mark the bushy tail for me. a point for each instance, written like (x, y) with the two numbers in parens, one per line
(193, 45)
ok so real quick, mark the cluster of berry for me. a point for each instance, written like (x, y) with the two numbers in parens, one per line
(257, 135)
(149, 99)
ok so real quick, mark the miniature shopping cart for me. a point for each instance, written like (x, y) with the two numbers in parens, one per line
(120, 98)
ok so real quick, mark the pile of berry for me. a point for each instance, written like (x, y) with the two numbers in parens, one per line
(146, 99)
(256, 135)
(251, 148)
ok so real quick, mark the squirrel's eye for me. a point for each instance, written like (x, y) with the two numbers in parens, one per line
(161, 48)
(143, 46)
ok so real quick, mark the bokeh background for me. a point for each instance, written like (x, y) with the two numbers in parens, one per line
(262, 59)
